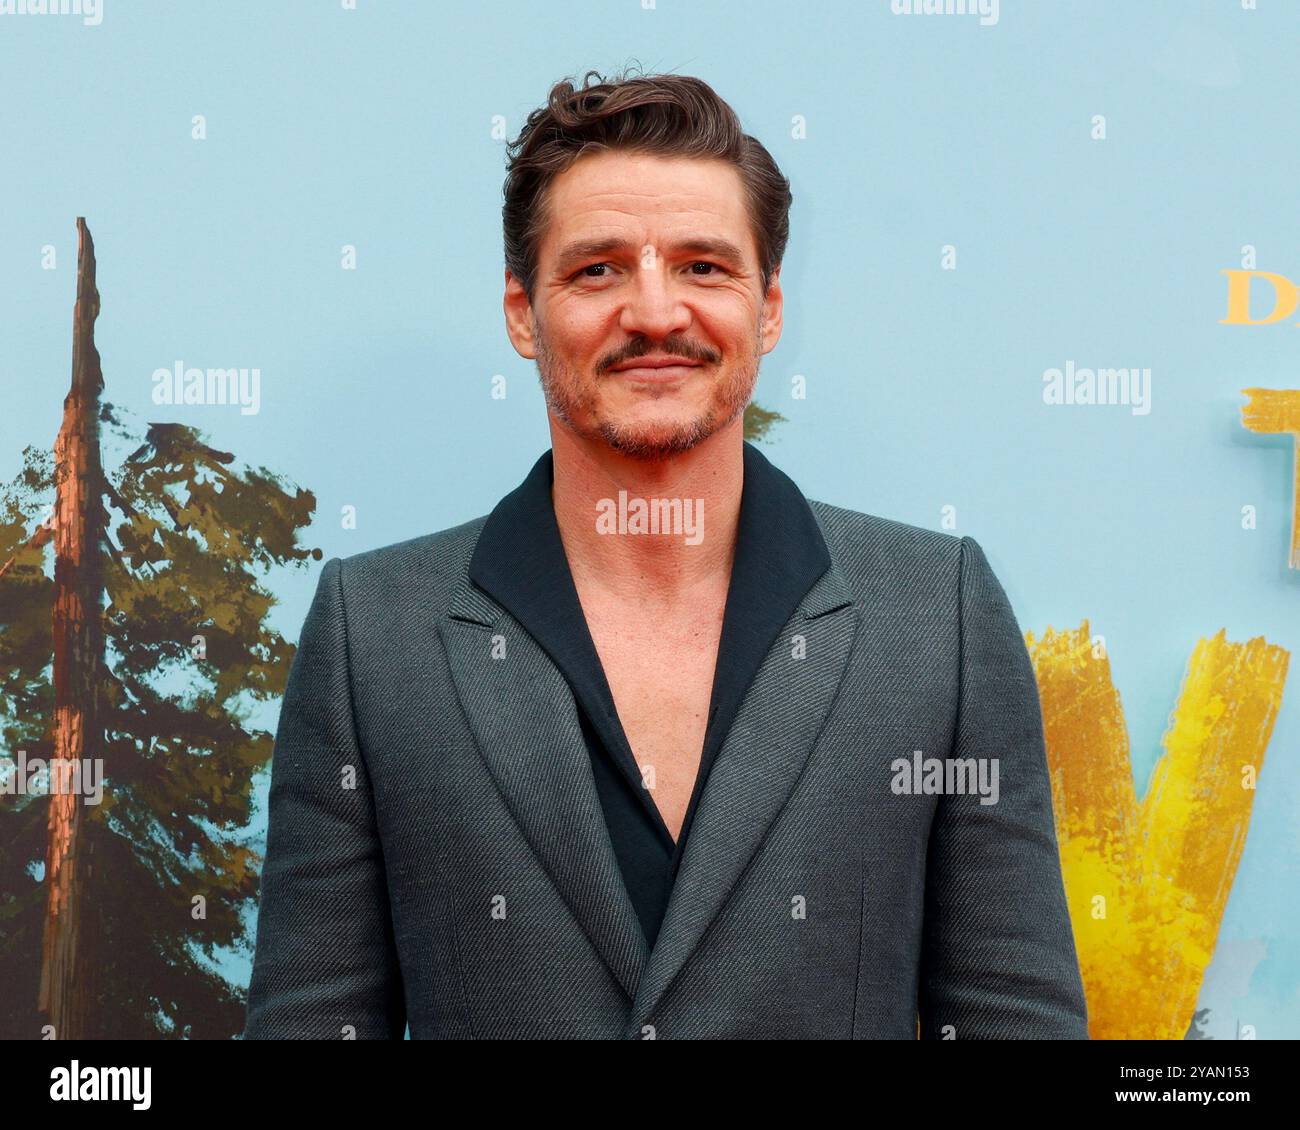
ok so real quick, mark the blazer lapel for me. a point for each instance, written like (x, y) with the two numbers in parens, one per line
(754, 773)
(525, 722)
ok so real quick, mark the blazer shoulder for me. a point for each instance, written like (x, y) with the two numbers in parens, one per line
(423, 570)
(872, 549)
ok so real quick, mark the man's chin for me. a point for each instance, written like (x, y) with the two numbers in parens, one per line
(659, 441)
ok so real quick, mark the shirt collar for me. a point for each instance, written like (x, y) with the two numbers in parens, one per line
(520, 561)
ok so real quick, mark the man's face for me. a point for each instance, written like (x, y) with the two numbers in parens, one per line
(646, 259)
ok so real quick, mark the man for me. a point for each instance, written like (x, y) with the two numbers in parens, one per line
(650, 751)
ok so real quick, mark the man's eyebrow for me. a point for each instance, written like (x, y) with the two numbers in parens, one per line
(716, 246)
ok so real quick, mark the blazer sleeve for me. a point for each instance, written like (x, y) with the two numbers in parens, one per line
(998, 954)
(325, 963)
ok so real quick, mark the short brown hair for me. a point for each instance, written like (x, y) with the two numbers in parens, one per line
(665, 115)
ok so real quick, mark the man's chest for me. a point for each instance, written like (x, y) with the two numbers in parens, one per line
(661, 678)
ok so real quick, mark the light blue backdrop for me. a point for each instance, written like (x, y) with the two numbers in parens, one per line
(373, 127)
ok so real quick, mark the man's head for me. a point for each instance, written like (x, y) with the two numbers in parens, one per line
(642, 223)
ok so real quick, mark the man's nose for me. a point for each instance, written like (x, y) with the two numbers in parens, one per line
(655, 306)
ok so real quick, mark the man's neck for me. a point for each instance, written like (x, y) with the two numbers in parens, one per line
(651, 570)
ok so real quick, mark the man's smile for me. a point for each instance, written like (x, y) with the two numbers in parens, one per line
(656, 369)
(657, 375)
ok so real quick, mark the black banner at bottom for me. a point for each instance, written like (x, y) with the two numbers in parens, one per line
(366, 1079)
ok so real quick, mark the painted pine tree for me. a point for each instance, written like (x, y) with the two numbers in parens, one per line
(148, 647)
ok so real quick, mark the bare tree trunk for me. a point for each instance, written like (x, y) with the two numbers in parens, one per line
(67, 991)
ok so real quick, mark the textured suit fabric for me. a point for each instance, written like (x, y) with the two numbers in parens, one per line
(437, 855)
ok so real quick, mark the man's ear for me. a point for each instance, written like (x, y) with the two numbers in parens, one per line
(519, 318)
(773, 305)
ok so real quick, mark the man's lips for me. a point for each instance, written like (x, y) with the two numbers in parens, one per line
(656, 368)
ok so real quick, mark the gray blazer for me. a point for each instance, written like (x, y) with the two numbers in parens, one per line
(437, 853)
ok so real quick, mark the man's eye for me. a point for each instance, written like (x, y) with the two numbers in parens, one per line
(600, 270)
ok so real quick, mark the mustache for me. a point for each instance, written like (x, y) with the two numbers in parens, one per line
(678, 349)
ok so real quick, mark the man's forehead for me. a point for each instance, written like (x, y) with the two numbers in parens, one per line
(604, 197)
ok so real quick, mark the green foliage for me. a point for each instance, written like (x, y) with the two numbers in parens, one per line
(758, 422)
(189, 655)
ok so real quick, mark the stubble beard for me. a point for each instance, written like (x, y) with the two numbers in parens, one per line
(572, 400)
